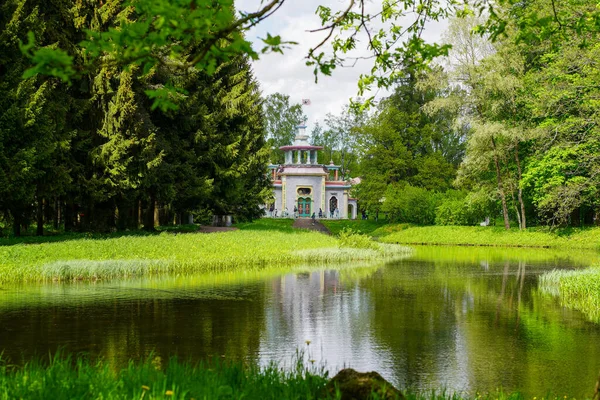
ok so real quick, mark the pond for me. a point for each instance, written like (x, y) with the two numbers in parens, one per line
(464, 319)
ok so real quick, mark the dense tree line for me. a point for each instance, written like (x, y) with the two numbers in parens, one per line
(94, 152)
(505, 128)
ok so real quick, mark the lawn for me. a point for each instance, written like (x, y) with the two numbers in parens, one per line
(572, 238)
(252, 247)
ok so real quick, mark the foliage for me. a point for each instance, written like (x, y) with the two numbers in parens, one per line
(391, 33)
(460, 208)
(340, 140)
(403, 143)
(563, 174)
(351, 238)
(97, 154)
(357, 225)
(406, 203)
(281, 120)
(160, 28)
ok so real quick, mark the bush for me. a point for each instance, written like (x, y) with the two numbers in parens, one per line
(406, 203)
(460, 208)
(351, 238)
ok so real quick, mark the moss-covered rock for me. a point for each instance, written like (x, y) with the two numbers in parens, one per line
(353, 385)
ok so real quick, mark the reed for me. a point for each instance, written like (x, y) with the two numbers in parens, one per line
(579, 289)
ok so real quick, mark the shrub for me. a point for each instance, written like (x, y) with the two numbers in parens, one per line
(351, 238)
(460, 208)
(406, 203)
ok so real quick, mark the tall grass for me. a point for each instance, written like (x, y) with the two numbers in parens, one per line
(588, 238)
(184, 254)
(67, 377)
(79, 378)
(579, 290)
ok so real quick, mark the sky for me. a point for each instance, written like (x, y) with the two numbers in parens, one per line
(288, 73)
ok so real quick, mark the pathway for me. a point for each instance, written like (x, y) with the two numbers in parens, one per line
(307, 223)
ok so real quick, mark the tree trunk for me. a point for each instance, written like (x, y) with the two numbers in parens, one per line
(69, 216)
(149, 217)
(500, 188)
(136, 214)
(520, 192)
(17, 224)
(517, 213)
(56, 217)
(40, 217)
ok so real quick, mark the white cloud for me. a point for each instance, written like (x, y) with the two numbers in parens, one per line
(289, 74)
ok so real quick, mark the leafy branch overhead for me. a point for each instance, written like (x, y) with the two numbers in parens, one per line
(148, 33)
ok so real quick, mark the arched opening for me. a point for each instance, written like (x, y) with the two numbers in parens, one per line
(351, 211)
(333, 207)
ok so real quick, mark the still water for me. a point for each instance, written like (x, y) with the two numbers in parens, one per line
(464, 319)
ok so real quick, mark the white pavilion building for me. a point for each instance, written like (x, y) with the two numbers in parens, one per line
(302, 183)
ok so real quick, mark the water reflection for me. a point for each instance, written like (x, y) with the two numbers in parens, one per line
(464, 319)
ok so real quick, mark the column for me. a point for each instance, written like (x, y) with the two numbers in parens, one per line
(336, 174)
(344, 210)
(298, 157)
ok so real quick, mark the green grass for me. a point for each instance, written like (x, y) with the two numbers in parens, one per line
(78, 378)
(63, 378)
(362, 226)
(51, 235)
(183, 254)
(578, 289)
(587, 238)
(268, 224)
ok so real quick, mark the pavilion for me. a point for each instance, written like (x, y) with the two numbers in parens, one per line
(303, 184)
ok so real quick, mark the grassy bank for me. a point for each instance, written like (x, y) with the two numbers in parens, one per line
(252, 247)
(579, 289)
(66, 378)
(587, 238)
(78, 378)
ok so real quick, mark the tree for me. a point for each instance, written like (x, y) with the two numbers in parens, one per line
(483, 83)
(36, 116)
(402, 144)
(281, 119)
(560, 94)
(341, 138)
(99, 153)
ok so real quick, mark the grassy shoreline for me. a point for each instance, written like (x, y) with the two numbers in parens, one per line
(536, 237)
(492, 236)
(78, 378)
(253, 247)
(68, 377)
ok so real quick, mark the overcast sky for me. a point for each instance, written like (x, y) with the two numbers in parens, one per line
(288, 73)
